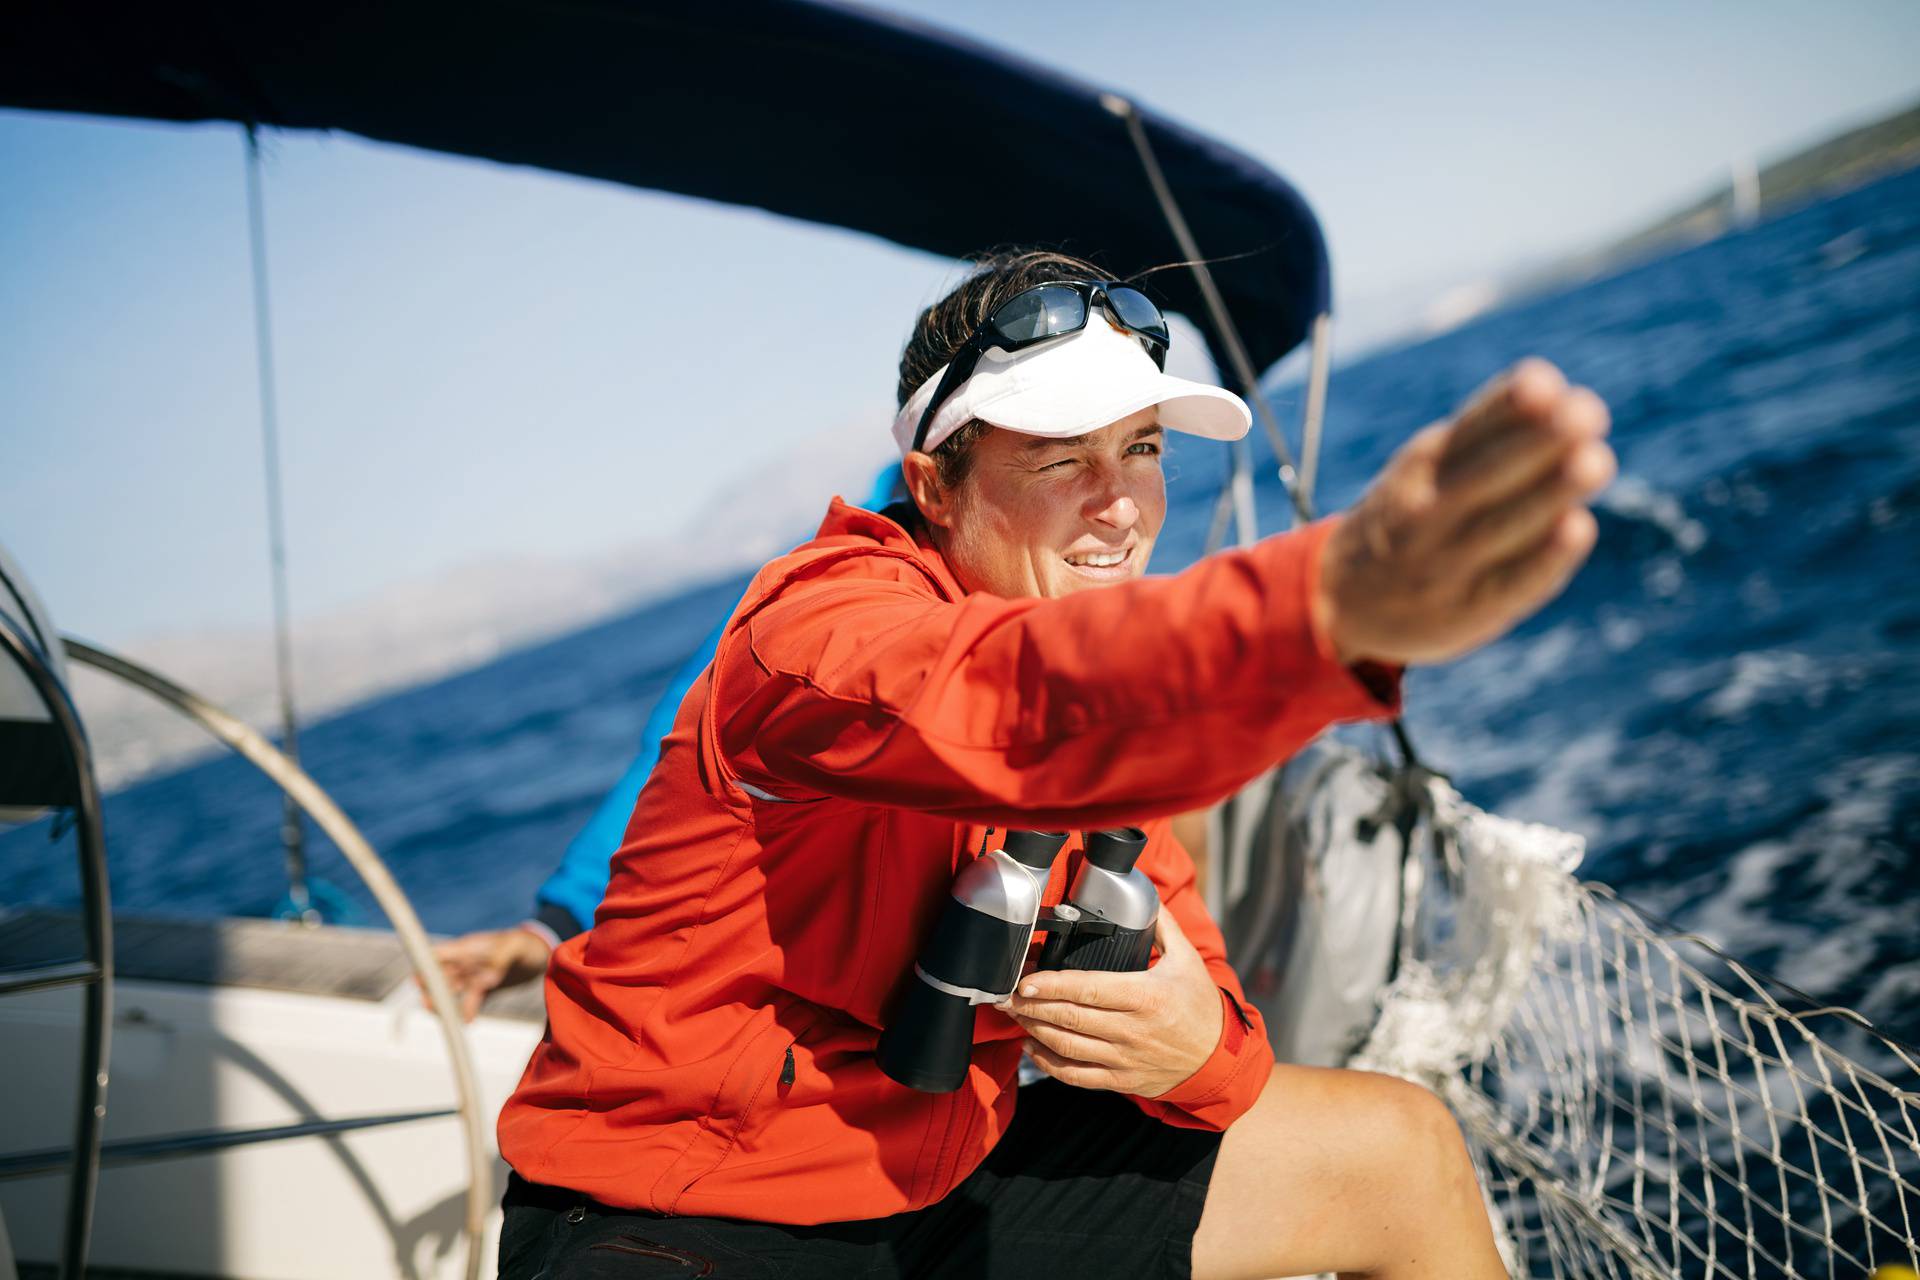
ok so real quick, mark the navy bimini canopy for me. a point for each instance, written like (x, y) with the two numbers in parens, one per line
(815, 110)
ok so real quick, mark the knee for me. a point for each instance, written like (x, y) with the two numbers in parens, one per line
(1411, 1107)
(1418, 1141)
(1397, 1137)
(1382, 1160)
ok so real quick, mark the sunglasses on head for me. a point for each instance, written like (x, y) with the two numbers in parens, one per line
(1051, 310)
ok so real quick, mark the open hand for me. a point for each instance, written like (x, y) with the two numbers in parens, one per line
(1141, 1033)
(1472, 526)
(478, 963)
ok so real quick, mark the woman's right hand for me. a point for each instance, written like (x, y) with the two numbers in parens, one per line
(1472, 526)
(477, 964)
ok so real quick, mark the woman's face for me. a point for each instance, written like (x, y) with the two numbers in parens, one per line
(1039, 517)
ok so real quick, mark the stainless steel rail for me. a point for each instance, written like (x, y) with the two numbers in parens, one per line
(30, 1164)
(319, 806)
(95, 972)
(65, 973)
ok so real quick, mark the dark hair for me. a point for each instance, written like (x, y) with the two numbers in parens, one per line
(944, 326)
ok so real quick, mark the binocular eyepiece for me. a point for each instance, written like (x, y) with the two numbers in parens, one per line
(980, 943)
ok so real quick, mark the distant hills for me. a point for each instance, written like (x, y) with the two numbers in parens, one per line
(453, 620)
(1847, 159)
(1844, 160)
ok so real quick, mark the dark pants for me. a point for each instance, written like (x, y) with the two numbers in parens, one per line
(1082, 1184)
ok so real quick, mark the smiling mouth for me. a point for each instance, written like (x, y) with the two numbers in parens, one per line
(1100, 559)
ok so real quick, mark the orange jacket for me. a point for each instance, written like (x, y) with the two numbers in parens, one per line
(710, 1041)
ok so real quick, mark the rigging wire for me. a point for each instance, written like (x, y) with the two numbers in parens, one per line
(1296, 481)
(292, 826)
(1319, 355)
(1223, 326)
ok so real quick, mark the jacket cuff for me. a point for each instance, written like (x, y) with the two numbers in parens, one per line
(557, 918)
(1221, 1066)
(1370, 689)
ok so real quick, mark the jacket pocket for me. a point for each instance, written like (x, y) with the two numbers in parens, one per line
(758, 1076)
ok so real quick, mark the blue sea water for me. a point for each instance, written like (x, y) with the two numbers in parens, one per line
(1725, 702)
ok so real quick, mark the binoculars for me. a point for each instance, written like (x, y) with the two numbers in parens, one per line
(981, 940)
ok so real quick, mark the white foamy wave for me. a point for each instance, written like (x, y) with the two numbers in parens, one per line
(1735, 687)
(1758, 677)
(1573, 784)
(1514, 668)
(1632, 498)
(1837, 868)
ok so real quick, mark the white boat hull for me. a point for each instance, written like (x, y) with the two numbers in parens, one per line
(189, 1057)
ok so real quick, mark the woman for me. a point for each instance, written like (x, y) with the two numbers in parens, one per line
(990, 656)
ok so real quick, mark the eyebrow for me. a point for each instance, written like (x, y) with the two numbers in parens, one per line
(1034, 444)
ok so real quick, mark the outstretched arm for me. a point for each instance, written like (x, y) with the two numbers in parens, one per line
(1165, 694)
(1132, 701)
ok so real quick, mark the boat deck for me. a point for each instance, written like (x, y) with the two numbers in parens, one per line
(276, 955)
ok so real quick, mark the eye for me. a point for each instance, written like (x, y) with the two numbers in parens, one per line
(1057, 466)
(1145, 448)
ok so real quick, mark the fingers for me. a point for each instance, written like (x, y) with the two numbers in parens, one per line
(466, 990)
(1170, 936)
(1537, 574)
(1099, 1003)
(1528, 390)
(466, 963)
(1070, 1044)
(1121, 992)
(465, 949)
(1509, 527)
(1086, 1075)
(469, 989)
(1098, 1024)
(1523, 448)
(1472, 526)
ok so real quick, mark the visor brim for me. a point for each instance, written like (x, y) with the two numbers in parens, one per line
(1069, 387)
(1193, 408)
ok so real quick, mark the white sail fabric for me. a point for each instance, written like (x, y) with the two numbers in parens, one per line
(1315, 888)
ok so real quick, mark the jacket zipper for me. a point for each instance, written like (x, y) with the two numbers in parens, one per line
(698, 1160)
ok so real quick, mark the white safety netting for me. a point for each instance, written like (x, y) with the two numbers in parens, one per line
(1638, 1103)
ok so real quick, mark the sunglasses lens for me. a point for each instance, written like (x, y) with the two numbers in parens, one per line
(1042, 312)
(1137, 311)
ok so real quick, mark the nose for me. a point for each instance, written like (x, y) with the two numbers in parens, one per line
(1112, 502)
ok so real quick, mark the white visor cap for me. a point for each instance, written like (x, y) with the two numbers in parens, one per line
(1070, 386)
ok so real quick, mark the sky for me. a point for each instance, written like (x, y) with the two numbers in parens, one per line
(475, 361)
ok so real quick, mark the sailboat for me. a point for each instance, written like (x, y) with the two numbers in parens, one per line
(262, 1099)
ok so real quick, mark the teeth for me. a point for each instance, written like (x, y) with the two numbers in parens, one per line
(1106, 561)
